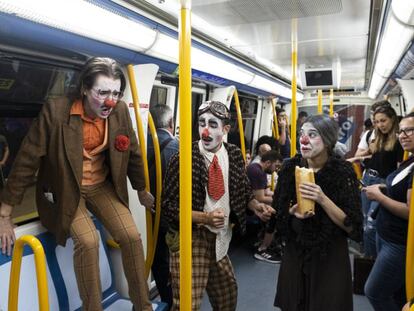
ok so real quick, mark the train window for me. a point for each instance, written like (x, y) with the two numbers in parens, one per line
(197, 100)
(24, 86)
(158, 96)
(23, 82)
(248, 107)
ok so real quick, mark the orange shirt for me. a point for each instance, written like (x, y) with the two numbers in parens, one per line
(95, 141)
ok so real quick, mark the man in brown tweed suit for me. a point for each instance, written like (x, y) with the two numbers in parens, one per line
(84, 149)
(221, 193)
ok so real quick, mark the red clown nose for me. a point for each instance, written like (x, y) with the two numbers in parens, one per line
(304, 140)
(205, 133)
(109, 103)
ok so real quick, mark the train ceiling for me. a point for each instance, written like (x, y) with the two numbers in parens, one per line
(329, 32)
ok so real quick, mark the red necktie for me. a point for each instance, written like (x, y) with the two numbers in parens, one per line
(215, 180)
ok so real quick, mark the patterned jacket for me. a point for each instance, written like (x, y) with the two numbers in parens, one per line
(239, 187)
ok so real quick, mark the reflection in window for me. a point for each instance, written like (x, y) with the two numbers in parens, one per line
(24, 87)
(158, 96)
(248, 107)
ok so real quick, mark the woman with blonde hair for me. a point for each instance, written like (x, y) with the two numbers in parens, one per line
(383, 155)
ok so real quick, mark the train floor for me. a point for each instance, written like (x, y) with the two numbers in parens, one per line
(257, 281)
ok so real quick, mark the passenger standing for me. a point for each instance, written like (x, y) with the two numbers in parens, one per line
(221, 192)
(269, 163)
(385, 287)
(84, 150)
(315, 273)
(384, 153)
(302, 115)
(163, 120)
(284, 140)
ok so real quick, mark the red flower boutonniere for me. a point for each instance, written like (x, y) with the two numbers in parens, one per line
(121, 143)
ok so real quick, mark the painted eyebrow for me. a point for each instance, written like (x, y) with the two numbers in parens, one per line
(212, 121)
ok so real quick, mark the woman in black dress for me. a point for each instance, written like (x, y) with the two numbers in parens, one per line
(315, 274)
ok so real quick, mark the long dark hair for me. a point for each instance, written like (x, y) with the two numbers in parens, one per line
(385, 141)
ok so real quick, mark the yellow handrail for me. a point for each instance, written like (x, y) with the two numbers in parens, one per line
(41, 277)
(320, 111)
(276, 136)
(406, 154)
(140, 130)
(240, 122)
(275, 121)
(158, 181)
(357, 170)
(294, 86)
(184, 39)
(409, 266)
(331, 107)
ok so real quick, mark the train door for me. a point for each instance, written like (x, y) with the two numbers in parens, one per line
(249, 109)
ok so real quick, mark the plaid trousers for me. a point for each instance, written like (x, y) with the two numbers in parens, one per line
(103, 202)
(217, 278)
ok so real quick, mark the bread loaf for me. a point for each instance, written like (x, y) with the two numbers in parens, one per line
(303, 174)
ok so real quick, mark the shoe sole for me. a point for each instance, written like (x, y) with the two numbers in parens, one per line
(259, 257)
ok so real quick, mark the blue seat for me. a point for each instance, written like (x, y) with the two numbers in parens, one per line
(63, 290)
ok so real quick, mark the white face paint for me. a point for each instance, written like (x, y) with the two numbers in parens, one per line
(406, 135)
(311, 143)
(94, 102)
(211, 130)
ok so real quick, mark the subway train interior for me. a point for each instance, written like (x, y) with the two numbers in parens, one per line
(335, 57)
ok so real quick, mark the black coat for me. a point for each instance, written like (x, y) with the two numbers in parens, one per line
(315, 274)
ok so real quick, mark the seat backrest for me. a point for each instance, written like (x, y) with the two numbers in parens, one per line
(28, 293)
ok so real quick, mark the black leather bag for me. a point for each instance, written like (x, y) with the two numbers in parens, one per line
(362, 268)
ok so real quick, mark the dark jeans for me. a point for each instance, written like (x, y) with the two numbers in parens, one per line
(161, 269)
(385, 287)
(369, 207)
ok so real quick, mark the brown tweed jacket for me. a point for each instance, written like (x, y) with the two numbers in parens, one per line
(239, 187)
(54, 148)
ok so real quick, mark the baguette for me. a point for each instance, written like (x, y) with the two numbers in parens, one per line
(303, 174)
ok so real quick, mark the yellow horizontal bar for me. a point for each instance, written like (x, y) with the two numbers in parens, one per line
(25, 217)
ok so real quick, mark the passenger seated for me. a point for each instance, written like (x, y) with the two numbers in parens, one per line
(269, 163)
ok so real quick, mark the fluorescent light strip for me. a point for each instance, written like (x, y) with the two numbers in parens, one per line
(85, 19)
(394, 42)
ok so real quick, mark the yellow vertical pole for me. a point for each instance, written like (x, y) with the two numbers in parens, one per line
(158, 185)
(185, 155)
(41, 277)
(409, 266)
(294, 86)
(240, 122)
(319, 101)
(275, 121)
(140, 130)
(331, 107)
